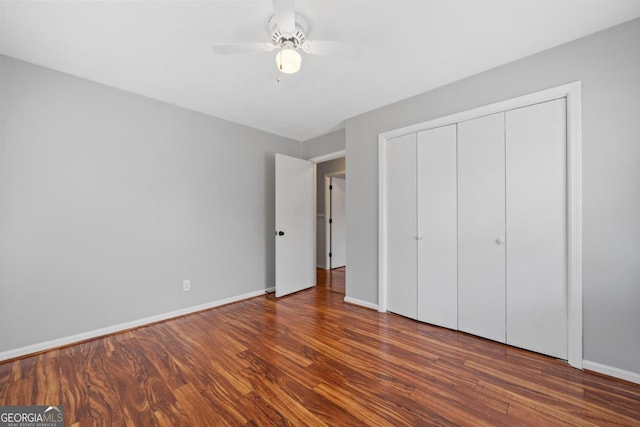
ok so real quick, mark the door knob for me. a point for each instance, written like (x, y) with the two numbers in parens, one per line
(280, 233)
(419, 237)
(500, 240)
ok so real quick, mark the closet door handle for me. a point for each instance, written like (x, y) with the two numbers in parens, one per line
(500, 240)
(419, 237)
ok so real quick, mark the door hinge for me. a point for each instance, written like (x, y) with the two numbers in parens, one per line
(331, 187)
(330, 220)
(330, 254)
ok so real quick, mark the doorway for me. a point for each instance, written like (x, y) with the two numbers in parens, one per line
(331, 223)
(296, 223)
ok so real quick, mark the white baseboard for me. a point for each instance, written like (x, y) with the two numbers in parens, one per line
(634, 377)
(270, 290)
(47, 345)
(322, 267)
(361, 303)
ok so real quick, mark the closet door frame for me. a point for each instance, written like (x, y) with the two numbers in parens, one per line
(573, 94)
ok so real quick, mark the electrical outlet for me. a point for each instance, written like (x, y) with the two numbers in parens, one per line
(186, 285)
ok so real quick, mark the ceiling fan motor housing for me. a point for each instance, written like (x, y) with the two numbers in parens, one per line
(288, 40)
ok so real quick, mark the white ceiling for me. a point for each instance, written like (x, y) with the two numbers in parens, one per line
(163, 50)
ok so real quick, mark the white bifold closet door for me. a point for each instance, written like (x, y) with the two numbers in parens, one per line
(401, 226)
(481, 227)
(477, 227)
(537, 228)
(437, 227)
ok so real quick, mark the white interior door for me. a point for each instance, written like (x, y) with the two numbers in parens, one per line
(537, 228)
(481, 227)
(338, 222)
(402, 269)
(295, 224)
(437, 227)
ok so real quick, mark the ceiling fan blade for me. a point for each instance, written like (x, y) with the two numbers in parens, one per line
(232, 48)
(285, 15)
(326, 47)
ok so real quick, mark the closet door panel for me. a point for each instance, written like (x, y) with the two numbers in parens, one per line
(401, 226)
(437, 227)
(481, 227)
(536, 228)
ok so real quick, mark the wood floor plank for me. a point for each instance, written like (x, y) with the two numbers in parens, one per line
(457, 408)
(311, 359)
(200, 409)
(374, 412)
(369, 378)
(265, 382)
(46, 387)
(568, 396)
(535, 418)
(300, 385)
(261, 412)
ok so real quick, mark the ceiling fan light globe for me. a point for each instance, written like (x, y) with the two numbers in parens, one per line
(288, 61)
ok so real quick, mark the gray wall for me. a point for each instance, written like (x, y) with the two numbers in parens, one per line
(322, 169)
(108, 200)
(324, 144)
(608, 63)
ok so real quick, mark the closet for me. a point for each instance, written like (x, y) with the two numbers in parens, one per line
(477, 226)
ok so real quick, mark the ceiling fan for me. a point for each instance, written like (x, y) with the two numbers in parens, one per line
(288, 36)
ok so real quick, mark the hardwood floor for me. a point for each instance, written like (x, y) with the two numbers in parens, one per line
(332, 280)
(310, 359)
